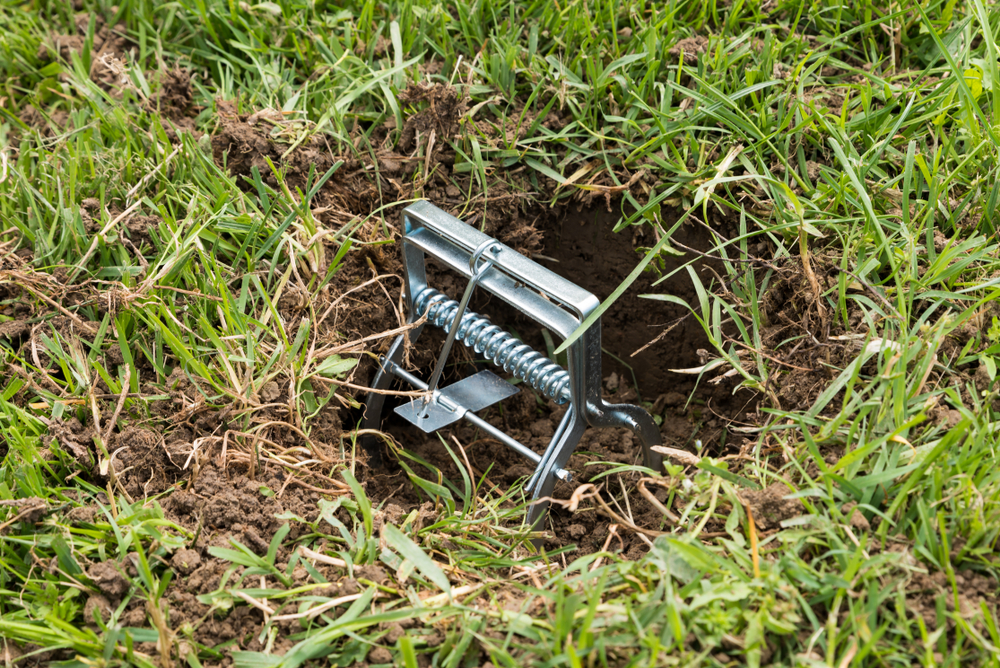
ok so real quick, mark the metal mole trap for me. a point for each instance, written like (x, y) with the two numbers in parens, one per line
(545, 297)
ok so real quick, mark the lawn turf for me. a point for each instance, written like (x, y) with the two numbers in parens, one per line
(184, 187)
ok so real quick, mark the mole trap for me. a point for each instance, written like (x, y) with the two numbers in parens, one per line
(546, 298)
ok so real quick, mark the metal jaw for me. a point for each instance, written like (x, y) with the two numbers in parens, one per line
(546, 298)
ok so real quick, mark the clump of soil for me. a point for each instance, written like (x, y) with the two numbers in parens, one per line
(244, 142)
(691, 47)
(146, 465)
(445, 106)
(107, 54)
(925, 590)
(73, 438)
(790, 313)
(109, 579)
(175, 103)
(770, 506)
(137, 228)
(217, 499)
(175, 99)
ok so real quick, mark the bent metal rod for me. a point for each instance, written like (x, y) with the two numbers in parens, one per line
(545, 297)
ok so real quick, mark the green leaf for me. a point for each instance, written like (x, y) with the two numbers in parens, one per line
(272, 549)
(413, 553)
(255, 660)
(238, 557)
(336, 366)
(363, 503)
(730, 591)
(727, 475)
(547, 171)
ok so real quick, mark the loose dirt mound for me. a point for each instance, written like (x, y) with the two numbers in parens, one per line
(107, 54)
(217, 499)
(174, 102)
(421, 164)
(445, 107)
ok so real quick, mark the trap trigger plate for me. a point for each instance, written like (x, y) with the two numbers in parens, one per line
(452, 402)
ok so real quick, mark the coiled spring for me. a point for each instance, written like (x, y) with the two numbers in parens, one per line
(500, 347)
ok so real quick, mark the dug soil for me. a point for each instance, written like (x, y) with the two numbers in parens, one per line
(580, 245)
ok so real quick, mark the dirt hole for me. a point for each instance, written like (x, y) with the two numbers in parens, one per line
(581, 246)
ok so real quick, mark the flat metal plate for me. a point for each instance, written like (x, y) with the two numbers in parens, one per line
(472, 394)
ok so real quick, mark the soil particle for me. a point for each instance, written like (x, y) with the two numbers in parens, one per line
(691, 47)
(984, 382)
(855, 517)
(174, 101)
(107, 54)
(394, 633)
(205, 578)
(134, 617)
(254, 541)
(771, 507)
(107, 576)
(28, 510)
(373, 573)
(380, 655)
(14, 330)
(99, 604)
(185, 561)
(139, 231)
(72, 437)
(925, 589)
(146, 467)
(83, 514)
(270, 392)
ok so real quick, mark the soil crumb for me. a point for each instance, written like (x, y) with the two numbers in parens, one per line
(691, 47)
(771, 506)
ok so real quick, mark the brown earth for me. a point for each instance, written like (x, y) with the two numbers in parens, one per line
(107, 54)
(580, 245)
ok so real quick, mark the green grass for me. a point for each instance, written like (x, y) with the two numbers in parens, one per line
(853, 149)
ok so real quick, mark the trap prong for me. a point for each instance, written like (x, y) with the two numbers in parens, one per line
(548, 299)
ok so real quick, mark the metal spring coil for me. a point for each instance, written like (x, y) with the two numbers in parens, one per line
(500, 347)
